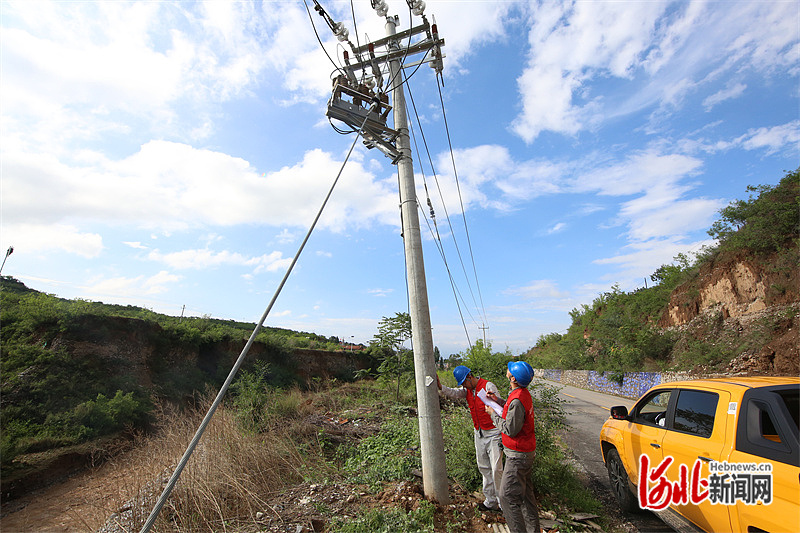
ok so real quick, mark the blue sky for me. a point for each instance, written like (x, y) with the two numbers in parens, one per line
(169, 154)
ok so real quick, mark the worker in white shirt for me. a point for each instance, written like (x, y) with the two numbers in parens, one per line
(488, 450)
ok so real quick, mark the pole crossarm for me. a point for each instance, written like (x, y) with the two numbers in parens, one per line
(362, 81)
(431, 40)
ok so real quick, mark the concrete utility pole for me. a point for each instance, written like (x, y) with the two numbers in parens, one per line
(434, 471)
(353, 87)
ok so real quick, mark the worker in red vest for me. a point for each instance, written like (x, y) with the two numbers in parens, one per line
(516, 495)
(488, 451)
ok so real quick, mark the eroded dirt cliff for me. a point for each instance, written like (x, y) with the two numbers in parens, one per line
(746, 305)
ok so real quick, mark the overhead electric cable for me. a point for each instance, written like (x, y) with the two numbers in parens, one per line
(456, 293)
(200, 430)
(438, 240)
(447, 215)
(355, 24)
(460, 198)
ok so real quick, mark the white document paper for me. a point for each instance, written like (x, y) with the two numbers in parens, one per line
(491, 403)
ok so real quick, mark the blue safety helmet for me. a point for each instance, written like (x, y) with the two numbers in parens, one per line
(460, 373)
(521, 371)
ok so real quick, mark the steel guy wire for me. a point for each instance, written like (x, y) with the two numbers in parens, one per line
(200, 430)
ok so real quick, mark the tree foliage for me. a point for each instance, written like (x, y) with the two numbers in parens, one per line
(766, 222)
(485, 363)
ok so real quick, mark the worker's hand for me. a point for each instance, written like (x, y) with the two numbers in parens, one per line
(438, 383)
(493, 396)
(488, 409)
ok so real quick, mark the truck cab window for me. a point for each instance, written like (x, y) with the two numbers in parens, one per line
(654, 409)
(695, 412)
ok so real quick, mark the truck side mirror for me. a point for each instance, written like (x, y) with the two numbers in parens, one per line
(619, 412)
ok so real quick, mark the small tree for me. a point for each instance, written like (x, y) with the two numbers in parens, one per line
(392, 333)
(480, 359)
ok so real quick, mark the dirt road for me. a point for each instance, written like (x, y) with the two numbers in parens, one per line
(80, 503)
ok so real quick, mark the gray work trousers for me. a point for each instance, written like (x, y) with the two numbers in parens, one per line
(489, 454)
(516, 495)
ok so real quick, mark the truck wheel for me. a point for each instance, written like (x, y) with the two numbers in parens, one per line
(619, 482)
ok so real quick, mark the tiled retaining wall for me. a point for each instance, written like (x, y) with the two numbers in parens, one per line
(634, 384)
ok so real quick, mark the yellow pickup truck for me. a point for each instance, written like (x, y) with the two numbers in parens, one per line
(711, 455)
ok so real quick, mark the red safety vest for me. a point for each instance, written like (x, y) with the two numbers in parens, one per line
(525, 440)
(480, 418)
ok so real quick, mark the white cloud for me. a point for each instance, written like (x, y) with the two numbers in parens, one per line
(535, 297)
(175, 186)
(205, 258)
(122, 288)
(639, 262)
(543, 288)
(772, 139)
(570, 44)
(656, 52)
(285, 237)
(675, 218)
(36, 238)
(158, 283)
(482, 169)
(728, 93)
(466, 26)
(638, 173)
(381, 293)
(556, 228)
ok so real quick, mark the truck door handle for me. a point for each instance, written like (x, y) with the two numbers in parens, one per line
(654, 445)
(706, 459)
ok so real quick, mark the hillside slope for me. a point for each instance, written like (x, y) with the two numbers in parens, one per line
(732, 307)
(76, 374)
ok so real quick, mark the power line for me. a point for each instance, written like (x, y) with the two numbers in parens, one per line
(314, 26)
(447, 215)
(460, 198)
(437, 239)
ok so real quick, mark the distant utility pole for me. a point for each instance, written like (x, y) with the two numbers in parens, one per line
(359, 78)
(484, 328)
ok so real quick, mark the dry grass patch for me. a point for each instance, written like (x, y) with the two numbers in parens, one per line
(231, 475)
